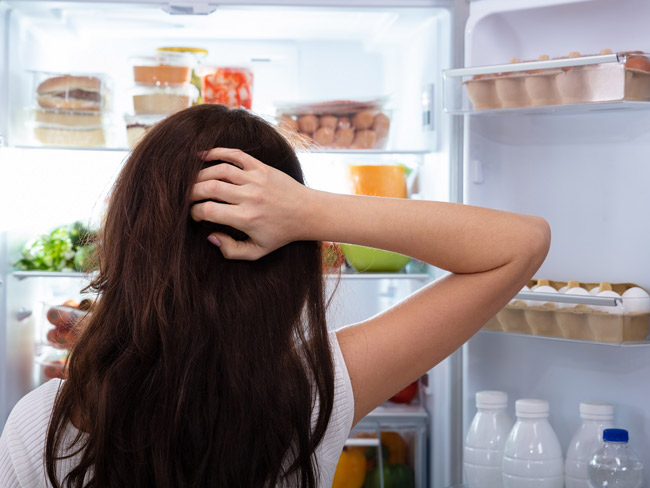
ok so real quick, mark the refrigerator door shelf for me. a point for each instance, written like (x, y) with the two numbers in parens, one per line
(572, 85)
(625, 344)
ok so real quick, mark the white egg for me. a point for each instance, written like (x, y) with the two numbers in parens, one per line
(636, 300)
(541, 289)
(617, 310)
(563, 289)
(525, 288)
(594, 291)
(576, 290)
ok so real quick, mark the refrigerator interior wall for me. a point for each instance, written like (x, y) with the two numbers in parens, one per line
(586, 174)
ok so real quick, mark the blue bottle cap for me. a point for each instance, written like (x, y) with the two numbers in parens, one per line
(615, 435)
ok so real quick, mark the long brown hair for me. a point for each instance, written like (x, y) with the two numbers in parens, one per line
(194, 370)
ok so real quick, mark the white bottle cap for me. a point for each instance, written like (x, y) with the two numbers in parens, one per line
(596, 411)
(532, 408)
(491, 399)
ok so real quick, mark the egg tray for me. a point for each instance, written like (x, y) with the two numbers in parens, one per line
(579, 84)
(579, 322)
(339, 124)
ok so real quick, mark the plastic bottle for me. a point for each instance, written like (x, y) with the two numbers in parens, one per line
(532, 457)
(486, 439)
(615, 465)
(596, 417)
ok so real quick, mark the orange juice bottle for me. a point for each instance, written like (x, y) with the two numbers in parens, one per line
(378, 180)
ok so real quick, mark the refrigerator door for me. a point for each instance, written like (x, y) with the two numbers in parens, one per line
(586, 173)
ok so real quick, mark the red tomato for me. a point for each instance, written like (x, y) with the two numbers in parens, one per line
(407, 394)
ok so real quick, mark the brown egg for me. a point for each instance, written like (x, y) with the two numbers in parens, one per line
(308, 123)
(363, 120)
(364, 139)
(381, 124)
(344, 137)
(324, 136)
(288, 123)
(329, 121)
(344, 123)
(638, 62)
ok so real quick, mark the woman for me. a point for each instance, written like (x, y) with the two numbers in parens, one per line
(207, 360)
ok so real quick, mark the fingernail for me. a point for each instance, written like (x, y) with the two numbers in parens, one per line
(214, 240)
(203, 154)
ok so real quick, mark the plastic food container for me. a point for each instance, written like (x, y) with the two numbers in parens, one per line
(627, 321)
(368, 259)
(62, 322)
(138, 125)
(231, 86)
(74, 137)
(199, 56)
(52, 364)
(77, 92)
(378, 180)
(569, 80)
(165, 68)
(152, 99)
(338, 124)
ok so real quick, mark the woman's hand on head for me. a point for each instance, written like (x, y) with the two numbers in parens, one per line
(252, 197)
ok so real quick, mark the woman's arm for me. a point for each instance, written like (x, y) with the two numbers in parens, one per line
(491, 255)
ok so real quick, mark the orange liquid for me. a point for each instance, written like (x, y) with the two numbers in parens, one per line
(378, 181)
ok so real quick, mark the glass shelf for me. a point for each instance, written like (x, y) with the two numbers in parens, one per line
(350, 152)
(21, 275)
(564, 339)
(577, 108)
(346, 275)
(398, 412)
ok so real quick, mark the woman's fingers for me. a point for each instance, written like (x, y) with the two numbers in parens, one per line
(218, 213)
(217, 190)
(235, 156)
(233, 249)
(225, 172)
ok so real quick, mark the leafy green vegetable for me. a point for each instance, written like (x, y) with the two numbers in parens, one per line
(57, 251)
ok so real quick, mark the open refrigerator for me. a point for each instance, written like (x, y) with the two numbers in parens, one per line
(578, 162)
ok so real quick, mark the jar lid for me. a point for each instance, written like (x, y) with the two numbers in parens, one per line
(491, 399)
(597, 411)
(615, 435)
(175, 49)
(531, 408)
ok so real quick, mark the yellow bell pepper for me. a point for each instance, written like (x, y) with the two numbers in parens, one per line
(396, 447)
(350, 470)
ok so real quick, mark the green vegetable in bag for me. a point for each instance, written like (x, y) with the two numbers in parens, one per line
(395, 476)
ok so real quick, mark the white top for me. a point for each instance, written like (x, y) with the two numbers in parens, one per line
(22, 443)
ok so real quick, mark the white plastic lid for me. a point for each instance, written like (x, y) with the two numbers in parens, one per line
(531, 408)
(597, 411)
(491, 399)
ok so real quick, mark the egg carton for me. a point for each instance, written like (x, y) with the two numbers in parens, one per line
(628, 321)
(600, 82)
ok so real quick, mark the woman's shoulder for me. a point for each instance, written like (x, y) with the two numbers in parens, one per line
(36, 405)
(23, 437)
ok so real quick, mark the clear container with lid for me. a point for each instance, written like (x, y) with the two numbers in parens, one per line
(227, 85)
(159, 99)
(138, 125)
(75, 92)
(199, 56)
(165, 68)
(338, 124)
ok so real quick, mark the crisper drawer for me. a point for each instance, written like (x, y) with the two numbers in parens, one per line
(577, 81)
(400, 462)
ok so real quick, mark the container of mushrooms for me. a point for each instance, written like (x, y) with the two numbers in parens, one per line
(337, 124)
